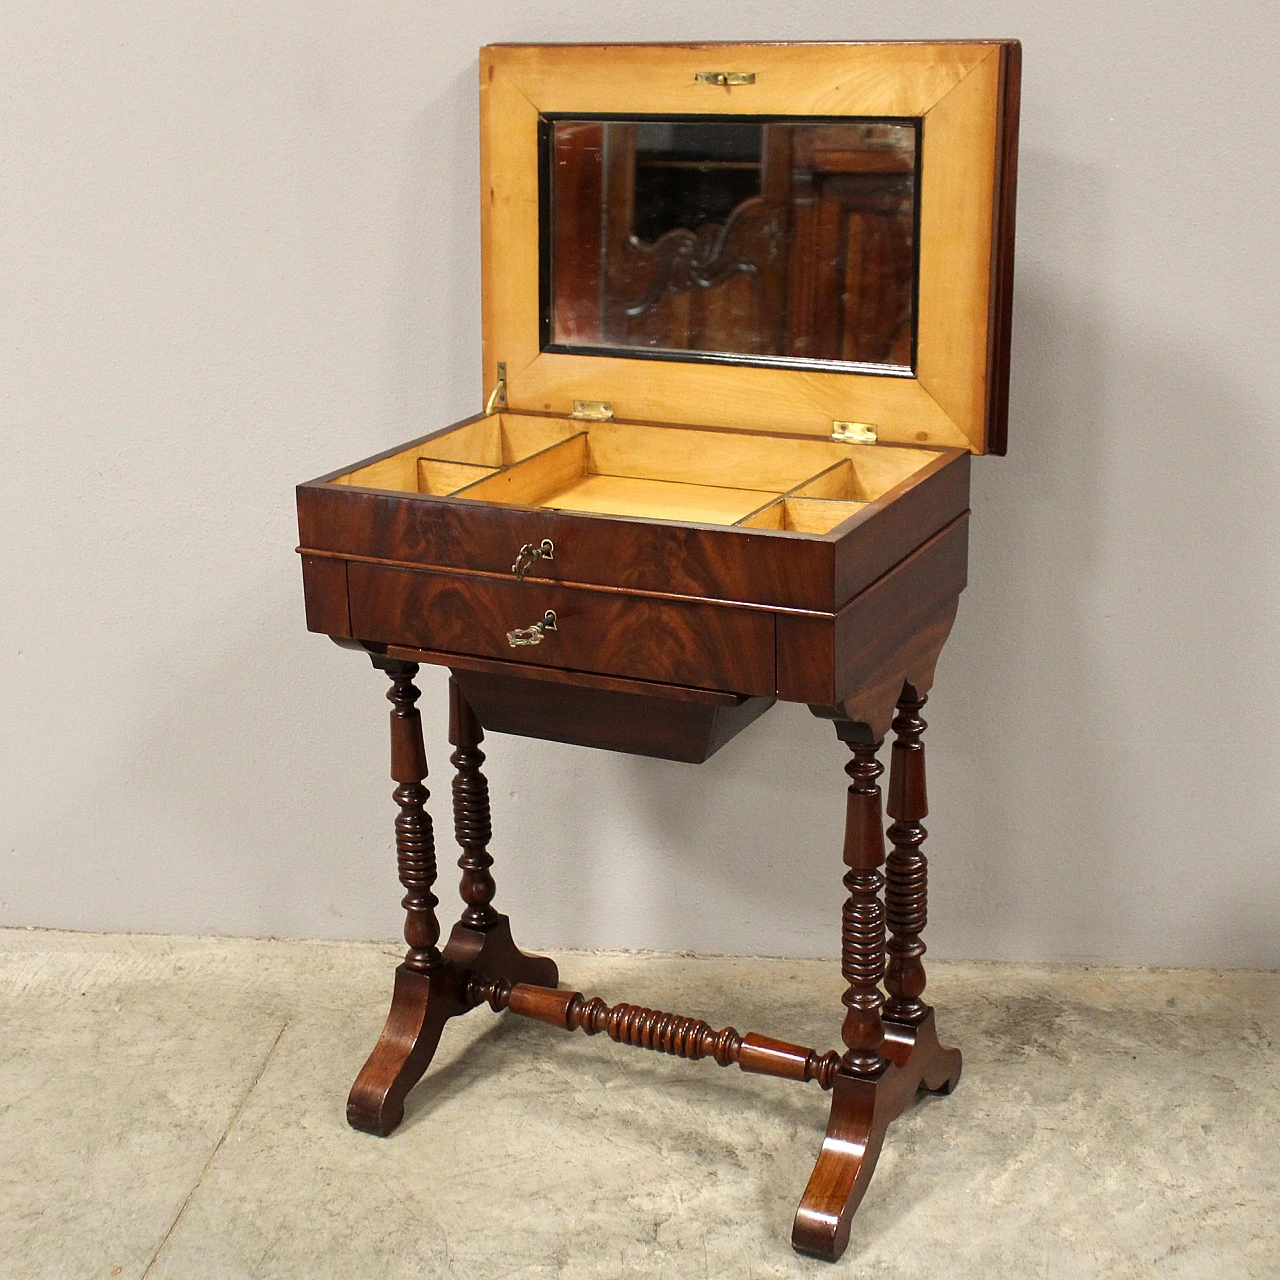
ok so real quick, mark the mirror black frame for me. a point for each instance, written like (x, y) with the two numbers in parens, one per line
(546, 301)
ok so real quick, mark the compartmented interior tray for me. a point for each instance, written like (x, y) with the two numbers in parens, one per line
(684, 474)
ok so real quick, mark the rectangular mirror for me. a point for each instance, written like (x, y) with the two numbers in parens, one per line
(781, 242)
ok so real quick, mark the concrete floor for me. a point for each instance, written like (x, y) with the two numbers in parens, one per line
(173, 1107)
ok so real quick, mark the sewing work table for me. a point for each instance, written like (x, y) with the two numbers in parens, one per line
(746, 315)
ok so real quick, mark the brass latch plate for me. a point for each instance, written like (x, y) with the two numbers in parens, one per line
(854, 432)
(593, 410)
(725, 78)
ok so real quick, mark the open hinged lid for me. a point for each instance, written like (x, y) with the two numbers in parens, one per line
(808, 238)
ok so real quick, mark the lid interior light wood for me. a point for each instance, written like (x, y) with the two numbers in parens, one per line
(946, 387)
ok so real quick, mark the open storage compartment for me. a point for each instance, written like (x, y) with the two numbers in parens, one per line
(686, 474)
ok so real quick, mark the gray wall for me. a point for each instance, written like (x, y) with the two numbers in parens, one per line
(240, 247)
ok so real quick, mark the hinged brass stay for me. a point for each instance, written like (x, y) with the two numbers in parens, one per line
(593, 410)
(498, 396)
(725, 78)
(854, 432)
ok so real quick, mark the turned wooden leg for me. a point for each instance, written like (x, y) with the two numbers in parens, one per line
(482, 937)
(471, 822)
(862, 934)
(426, 994)
(885, 1061)
(849, 1152)
(907, 891)
(430, 985)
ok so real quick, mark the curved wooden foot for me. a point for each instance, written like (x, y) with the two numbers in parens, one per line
(420, 1006)
(861, 1111)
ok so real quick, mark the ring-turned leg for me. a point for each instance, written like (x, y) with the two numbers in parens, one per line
(907, 898)
(426, 994)
(893, 1047)
(482, 937)
(926, 1064)
(858, 1120)
(906, 895)
(430, 985)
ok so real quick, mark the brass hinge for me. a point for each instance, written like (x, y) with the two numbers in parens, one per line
(593, 410)
(854, 432)
(498, 396)
(725, 78)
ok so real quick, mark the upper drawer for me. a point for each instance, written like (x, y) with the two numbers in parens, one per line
(707, 646)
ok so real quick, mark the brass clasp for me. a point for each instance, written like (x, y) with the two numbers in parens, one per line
(534, 634)
(545, 550)
(725, 78)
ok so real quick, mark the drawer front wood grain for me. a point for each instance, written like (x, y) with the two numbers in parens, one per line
(749, 565)
(706, 646)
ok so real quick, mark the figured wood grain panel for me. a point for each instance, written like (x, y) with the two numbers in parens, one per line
(896, 608)
(702, 645)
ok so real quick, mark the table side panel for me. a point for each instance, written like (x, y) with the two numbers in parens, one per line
(893, 526)
(822, 660)
(324, 589)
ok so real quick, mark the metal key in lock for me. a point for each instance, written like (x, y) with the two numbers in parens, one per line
(545, 550)
(534, 634)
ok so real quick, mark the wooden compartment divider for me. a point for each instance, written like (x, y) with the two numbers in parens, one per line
(439, 477)
(531, 480)
(802, 515)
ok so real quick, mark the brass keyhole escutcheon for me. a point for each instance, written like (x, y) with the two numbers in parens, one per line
(534, 634)
(545, 550)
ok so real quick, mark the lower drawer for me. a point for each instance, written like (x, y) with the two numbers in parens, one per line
(707, 646)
